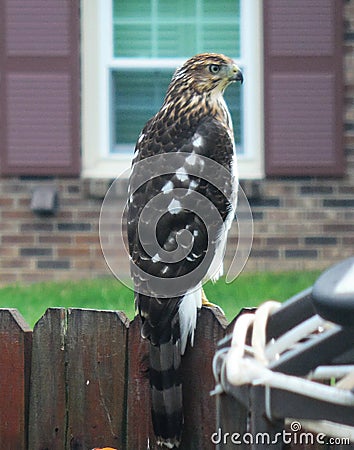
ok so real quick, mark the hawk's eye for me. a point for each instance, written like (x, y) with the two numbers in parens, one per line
(214, 68)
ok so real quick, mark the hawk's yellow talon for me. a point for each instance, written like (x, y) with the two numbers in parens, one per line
(207, 304)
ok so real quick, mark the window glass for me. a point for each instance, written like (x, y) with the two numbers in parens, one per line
(137, 96)
(156, 29)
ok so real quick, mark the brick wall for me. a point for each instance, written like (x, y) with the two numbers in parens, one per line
(298, 223)
(303, 224)
(48, 248)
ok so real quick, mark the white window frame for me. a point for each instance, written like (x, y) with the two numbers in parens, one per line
(97, 62)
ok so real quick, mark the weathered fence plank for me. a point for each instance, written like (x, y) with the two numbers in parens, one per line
(96, 343)
(15, 349)
(140, 434)
(47, 418)
(198, 382)
(232, 419)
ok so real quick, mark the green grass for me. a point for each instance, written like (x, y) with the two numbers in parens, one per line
(107, 293)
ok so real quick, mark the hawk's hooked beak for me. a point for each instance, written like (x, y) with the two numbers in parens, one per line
(236, 74)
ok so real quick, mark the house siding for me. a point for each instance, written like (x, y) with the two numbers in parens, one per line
(299, 223)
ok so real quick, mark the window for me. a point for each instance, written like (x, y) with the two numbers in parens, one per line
(130, 51)
(147, 32)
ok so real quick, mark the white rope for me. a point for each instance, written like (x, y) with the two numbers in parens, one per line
(251, 368)
(293, 336)
(243, 364)
(328, 372)
(259, 329)
(240, 331)
(346, 382)
(249, 371)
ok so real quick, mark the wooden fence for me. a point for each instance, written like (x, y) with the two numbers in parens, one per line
(79, 380)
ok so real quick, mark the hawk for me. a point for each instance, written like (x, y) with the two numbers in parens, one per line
(183, 173)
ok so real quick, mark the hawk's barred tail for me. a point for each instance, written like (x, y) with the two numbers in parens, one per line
(166, 391)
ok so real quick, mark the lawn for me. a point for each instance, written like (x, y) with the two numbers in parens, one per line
(107, 293)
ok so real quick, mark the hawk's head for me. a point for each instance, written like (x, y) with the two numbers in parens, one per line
(206, 73)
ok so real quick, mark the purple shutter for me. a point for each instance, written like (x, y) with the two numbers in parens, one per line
(39, 87)
(303, 84)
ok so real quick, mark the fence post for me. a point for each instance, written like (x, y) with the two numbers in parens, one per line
(231, 422)
(96, 345)
(47, 418)
(139, 425)
(15, 351)
(198, 381)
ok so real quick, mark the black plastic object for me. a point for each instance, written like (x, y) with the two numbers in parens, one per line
(333, 293)
(45, 201)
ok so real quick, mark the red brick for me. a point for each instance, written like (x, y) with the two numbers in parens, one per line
(348, 241)
(281, 241)
(17, 239)
(85, 264)
(8, 227)
(65, 215)
(7, 278)
(87, 239)
(54, 239)
(6, 202)
(15, 263)
(17, 214)
(75, 252)
(8, 252)
(339, 228)
(93, 215)
(36, 276)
